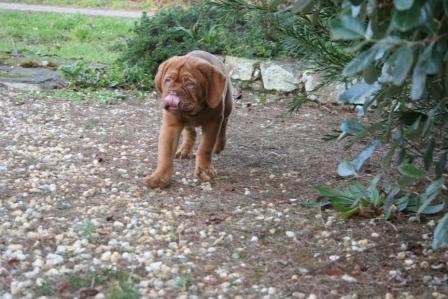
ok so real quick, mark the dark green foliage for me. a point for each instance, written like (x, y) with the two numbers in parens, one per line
(362, 200)
(176, 31)
(81, 75)
(393, 57)
(123, 283)
(407, 91)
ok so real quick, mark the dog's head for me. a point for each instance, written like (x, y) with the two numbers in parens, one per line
(189, 84)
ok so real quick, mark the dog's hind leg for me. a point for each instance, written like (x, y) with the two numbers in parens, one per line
(221, 140)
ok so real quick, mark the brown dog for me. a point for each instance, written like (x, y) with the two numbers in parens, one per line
(196, 92)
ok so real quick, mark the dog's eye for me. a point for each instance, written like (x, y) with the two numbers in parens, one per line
(167, 80)
(189, 84)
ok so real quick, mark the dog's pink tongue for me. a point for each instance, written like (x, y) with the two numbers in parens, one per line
(172, 101)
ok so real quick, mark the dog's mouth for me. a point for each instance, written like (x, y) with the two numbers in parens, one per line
(171, 102)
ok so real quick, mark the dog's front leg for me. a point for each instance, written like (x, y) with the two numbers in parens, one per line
(168, 139)
(204, 167)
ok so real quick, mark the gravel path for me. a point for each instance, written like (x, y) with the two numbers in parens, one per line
(77, 222)
(72, 10)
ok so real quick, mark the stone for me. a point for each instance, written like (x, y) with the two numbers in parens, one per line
(241, 68)
(290, 234)
(280, 76)
(330, 92)
(29, 79)
(310, 80)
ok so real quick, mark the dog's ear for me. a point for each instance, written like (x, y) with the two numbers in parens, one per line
(215, 84)
(163, 67)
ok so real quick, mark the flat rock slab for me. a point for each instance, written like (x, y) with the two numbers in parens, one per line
(29, 78)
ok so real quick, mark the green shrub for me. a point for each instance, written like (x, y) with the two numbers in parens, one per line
(176, 31)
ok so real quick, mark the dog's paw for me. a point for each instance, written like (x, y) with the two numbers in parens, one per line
(205, 173)
(185, 152)
(157, 180)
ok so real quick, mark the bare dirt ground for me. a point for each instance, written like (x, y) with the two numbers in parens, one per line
(73, 208)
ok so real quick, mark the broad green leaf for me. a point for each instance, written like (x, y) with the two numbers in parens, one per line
(426, 19)
(403, 4)
(440, 238)
(433, 209)
(389, 200)
(410, 170)
(429, 153)
(402, 203)
(358, 93)
(370, 74)
(352, 126)
(346, 28)
(398, 65)
(342, 205)
(406, 19)
(346, 169)
(373, 182)
(419, 73)
(375, 198)
(430, 194)
(364, 60)
(435, 61)
(364, 155)
(434, 188)
(358, 190)
(333, 193)
(350, 213)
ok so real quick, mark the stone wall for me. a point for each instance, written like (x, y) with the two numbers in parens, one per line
(279, 77)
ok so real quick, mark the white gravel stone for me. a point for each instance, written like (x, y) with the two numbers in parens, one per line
(334, 257)
(54, 259)
(105, 257)
(115, 257)
(348, 278)
(254, 239)
(153, 267)
(290, 234)
(408, 262)
(89, 193)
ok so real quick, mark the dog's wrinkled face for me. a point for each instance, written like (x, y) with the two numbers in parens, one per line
(189, 84)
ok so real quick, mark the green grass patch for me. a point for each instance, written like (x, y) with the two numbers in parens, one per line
(44, 290)
(94, 40)
(114, 4)
(115, 284)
